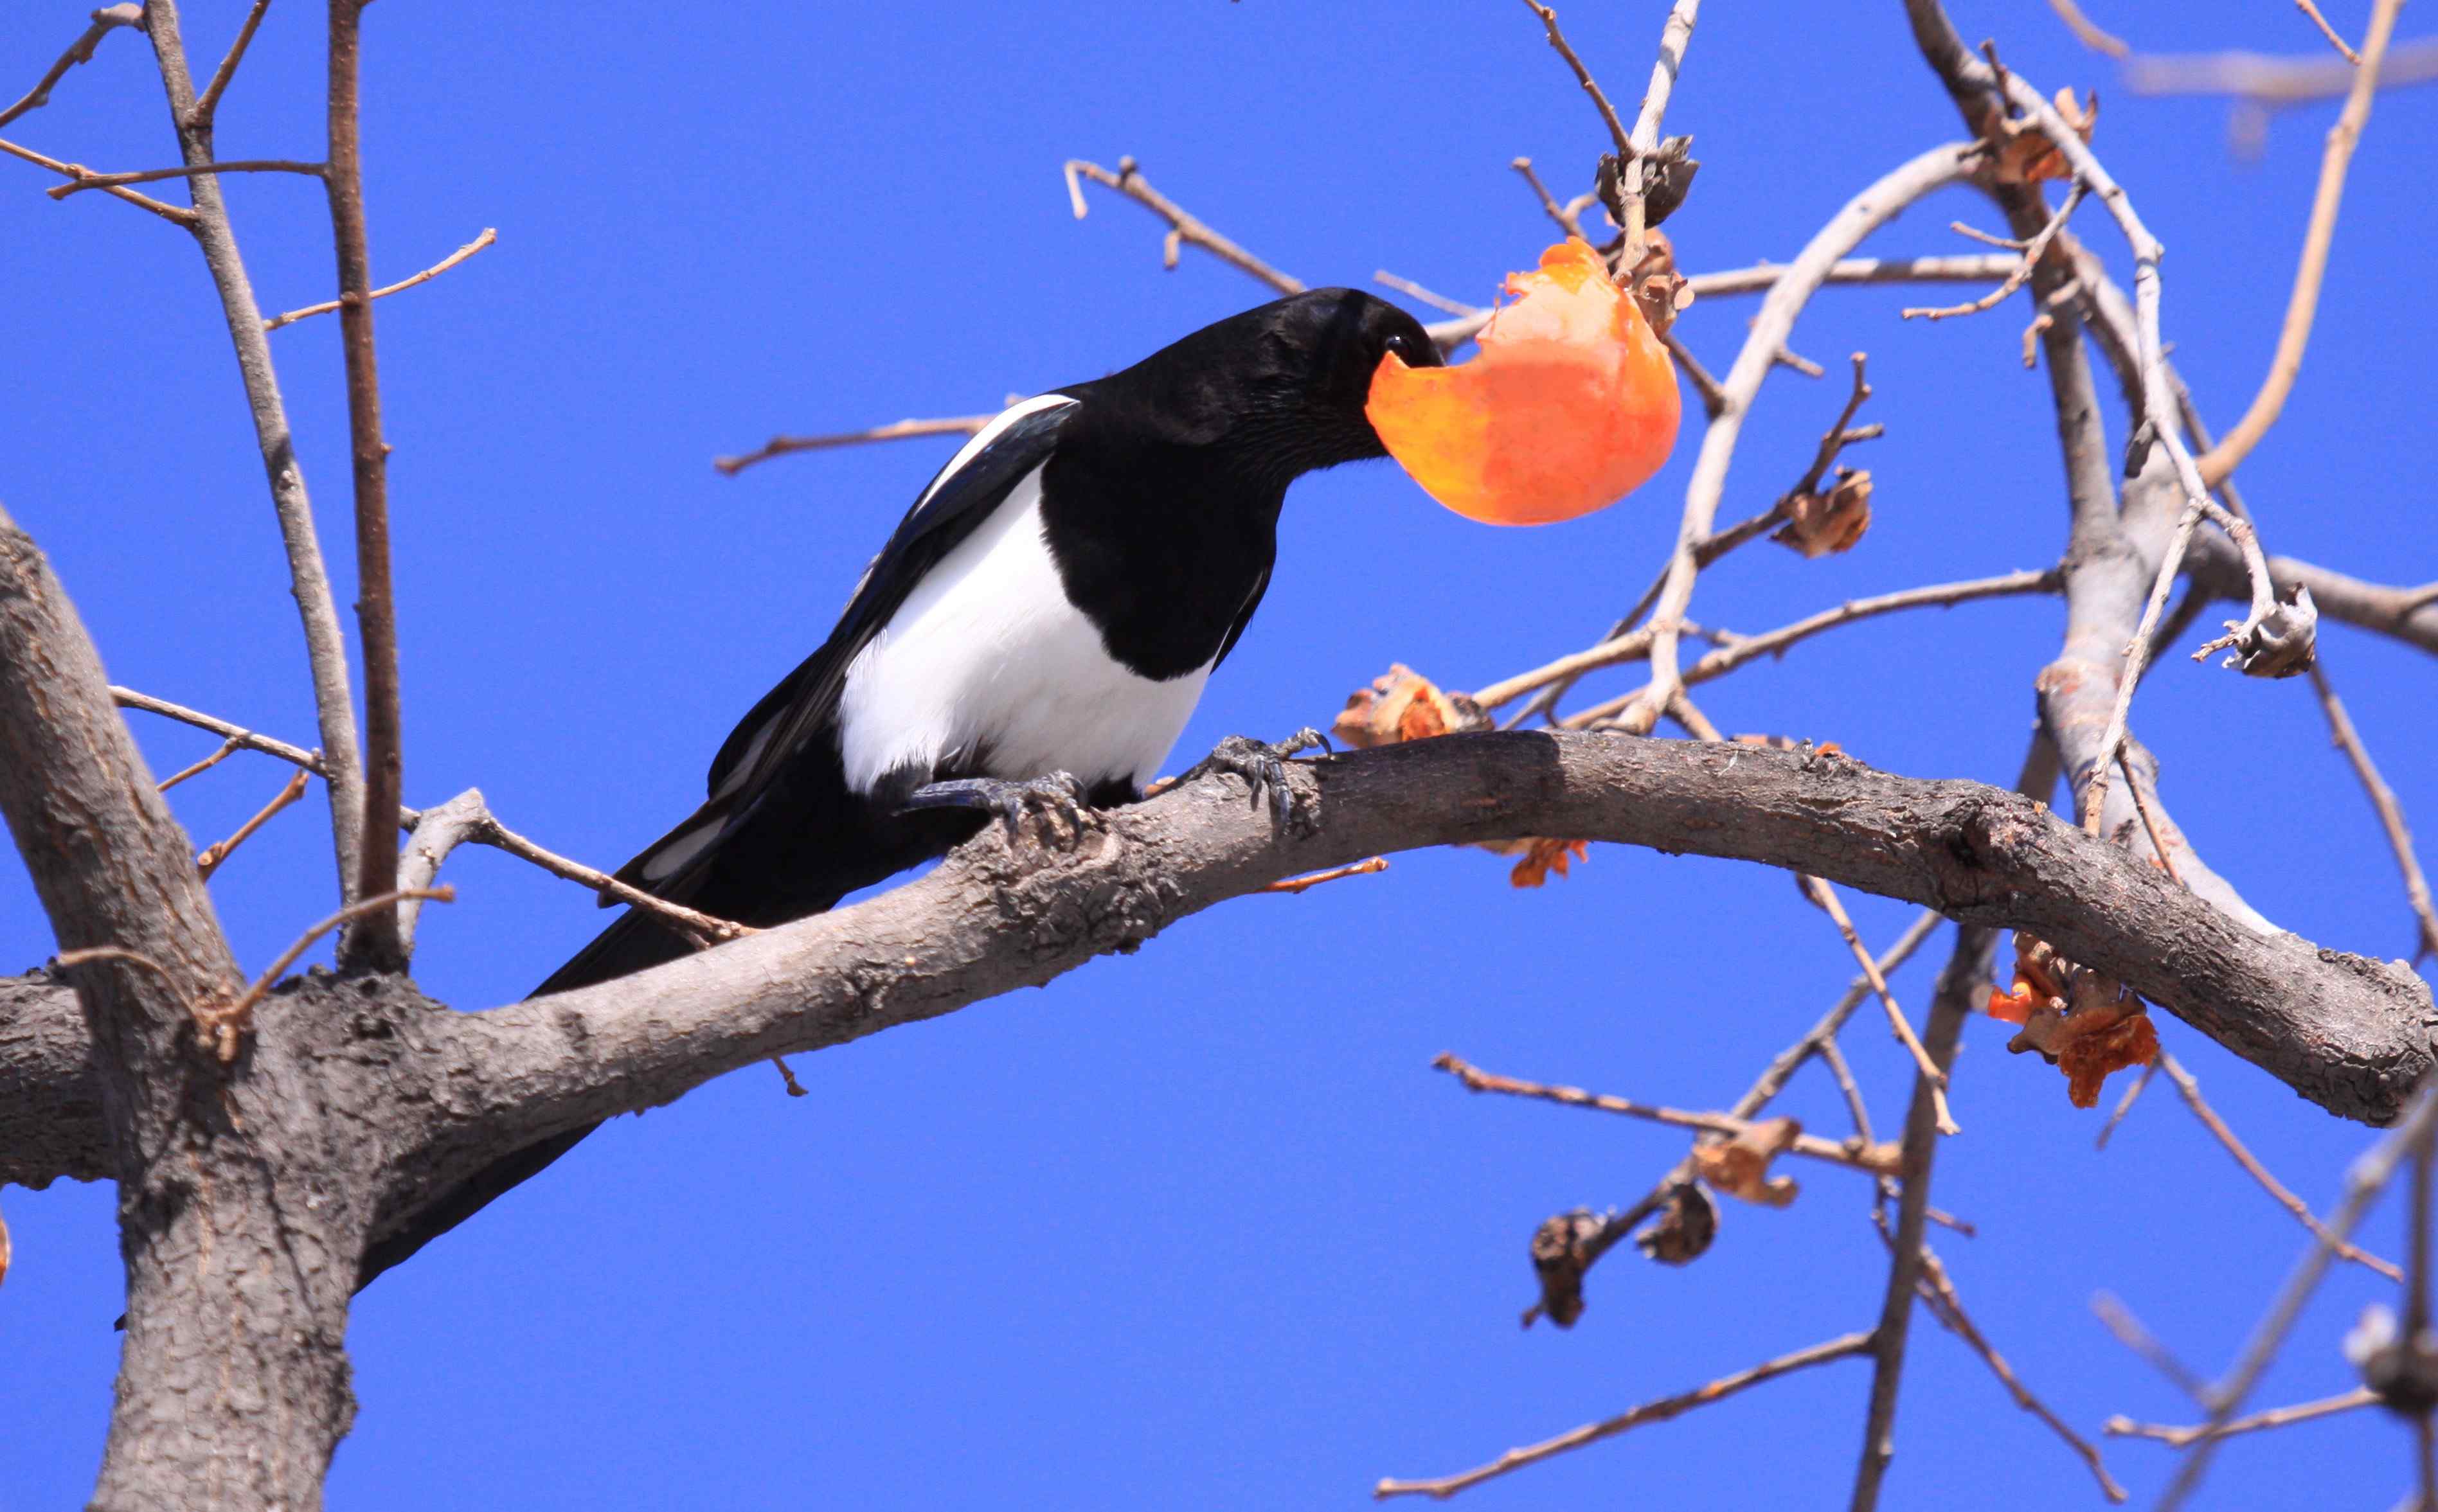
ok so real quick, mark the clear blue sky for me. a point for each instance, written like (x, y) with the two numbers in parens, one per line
(1197, 1227)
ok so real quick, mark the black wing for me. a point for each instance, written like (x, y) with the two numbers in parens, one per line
(1243, 617)
(805, 704)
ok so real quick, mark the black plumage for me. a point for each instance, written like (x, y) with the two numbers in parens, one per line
(1037, 627)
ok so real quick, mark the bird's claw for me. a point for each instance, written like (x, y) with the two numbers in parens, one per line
(1060, 795)
(1263, 767)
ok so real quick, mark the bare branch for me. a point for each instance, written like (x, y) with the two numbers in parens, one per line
(2330, 32)
(1617, 131)
(80, 51)
(2391, 813)
(2123, 1427)
(1567, 218)
(1650, 1412)
(2363, 1183)
(199, 117)
(2032, 253)
(2304, 303)
(175, 214)
(227, 749)
(1938, 1291)
(1182, 227)
(486, 238)
(1925, 174)
(236, 736)
(85, 178)
(2276, 83)
(962, 425)
(373, 943)
(209, 861)
(309, 577)
(1297, 886)
(2089, 32)
(2191, 1092)
(1877, 1160)
(1414, 291)
(1966, 973)
(1930, 1073)
(2131, 1333)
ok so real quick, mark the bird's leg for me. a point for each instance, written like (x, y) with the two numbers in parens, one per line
(1060, 793)
(1263, 767)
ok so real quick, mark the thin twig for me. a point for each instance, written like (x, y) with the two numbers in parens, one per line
(1714, 398)
(1617, 131)
(84, 178)
(375, 944)
(236, 736)
(1938, 1291)
(2125, 1104)
(2158, 844)
(221, 1025)
(959, 425)
(1875, 1159)
(1958, 986)
(2330, 32)
(80, 51)
(1674, 37)
(207, 105)
(2088, 32)
(2191, 1092)
(227, 749)
(219, 852)
(1825, 896)
(1865, 213)
(1357, 869)
(2265, 84)
(1182, 227)
(2124, 1427)
(2304, 302)
(1568, 221)
(2391, 813)
(177, 214)
(1727, 659)
(2129, 1332)
(2032, 250)
(2363, 1183)
(1413, 290)
(486, 238)
(1652, 1412)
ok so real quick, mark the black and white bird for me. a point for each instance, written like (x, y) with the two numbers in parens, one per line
(1038, 631)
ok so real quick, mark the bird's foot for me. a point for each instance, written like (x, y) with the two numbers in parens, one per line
(1059, 796)
(1263, 767)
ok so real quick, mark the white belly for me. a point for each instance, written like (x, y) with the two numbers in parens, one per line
(986, 656)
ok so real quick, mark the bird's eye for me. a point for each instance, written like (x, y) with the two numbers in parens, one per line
(1403, 345)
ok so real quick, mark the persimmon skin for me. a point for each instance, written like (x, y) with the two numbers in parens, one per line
(1570, 406)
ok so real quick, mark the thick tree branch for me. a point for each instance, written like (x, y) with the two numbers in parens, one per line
(239, 1199)
(2345, 1032)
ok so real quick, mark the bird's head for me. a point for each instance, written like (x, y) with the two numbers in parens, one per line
(1313, 365)
(1281, 387)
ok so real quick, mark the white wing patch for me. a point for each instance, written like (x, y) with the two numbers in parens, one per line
(987, 656)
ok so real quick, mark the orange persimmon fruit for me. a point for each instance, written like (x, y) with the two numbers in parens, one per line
(1571, 405)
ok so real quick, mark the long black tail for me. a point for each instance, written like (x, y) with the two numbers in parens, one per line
(630, 944)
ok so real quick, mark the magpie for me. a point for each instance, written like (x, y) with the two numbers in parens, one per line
(1034, 634)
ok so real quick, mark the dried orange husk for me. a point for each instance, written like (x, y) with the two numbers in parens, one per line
(1570, 406)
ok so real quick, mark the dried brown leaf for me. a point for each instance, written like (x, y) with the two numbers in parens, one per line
(1684, 1228)
(1560, 1257)
(2025, 155)
(1739, 1167)
(1823, 524)
(1402, 706)
(1543, 856)
(2085, 1022)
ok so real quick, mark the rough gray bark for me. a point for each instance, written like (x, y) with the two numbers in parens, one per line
(237, 1191)
(2345, 1032)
